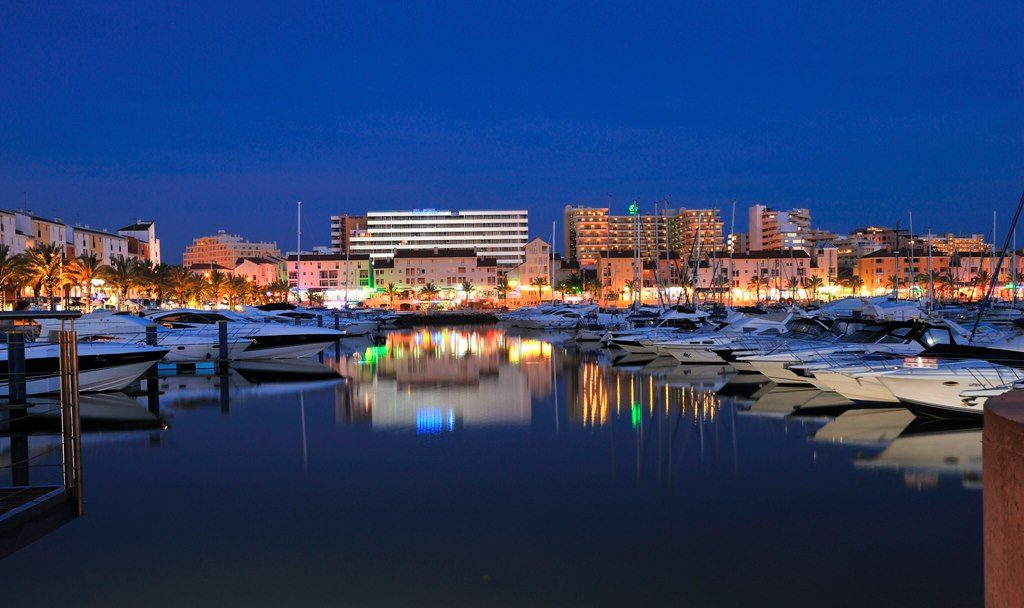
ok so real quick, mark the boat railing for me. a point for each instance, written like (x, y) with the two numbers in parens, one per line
(1004, 376)
(38, 476)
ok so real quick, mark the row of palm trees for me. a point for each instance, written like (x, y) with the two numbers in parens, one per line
(50, 274)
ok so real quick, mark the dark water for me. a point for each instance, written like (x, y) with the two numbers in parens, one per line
(473, 468)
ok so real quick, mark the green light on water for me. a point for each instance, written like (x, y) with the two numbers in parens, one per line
(636, 414)
(374, 354)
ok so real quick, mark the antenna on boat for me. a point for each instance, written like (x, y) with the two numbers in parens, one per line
(999, 264)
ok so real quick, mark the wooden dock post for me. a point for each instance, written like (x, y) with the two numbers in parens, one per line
(71, 420)
(152, 376)
(222, 345)
(16, 391)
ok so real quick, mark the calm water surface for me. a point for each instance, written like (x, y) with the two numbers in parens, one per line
(475, 467)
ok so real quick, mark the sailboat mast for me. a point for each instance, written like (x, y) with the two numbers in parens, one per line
(551, 265)
(732, 249)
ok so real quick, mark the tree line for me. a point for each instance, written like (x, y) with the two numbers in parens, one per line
(54, 277)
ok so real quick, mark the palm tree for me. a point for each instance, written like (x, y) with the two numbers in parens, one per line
(179, 282)
(218, 285)
(540, 283)
(502, 287)
(893, 283)
(159, 280)
(236, 288)
(391, 290)
(946, 282)
(756, 283)
(85, 269)
(279, 290)
(981, 280)
(632, 285)
(11, 273)
(468, 288)
(854, 283)
(428, 291)
(44, 265)
(814, 284)
(793, 284)
(123, 274)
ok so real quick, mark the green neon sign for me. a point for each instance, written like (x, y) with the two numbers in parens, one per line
(634, 208)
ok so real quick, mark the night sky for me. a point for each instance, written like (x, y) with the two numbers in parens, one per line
(205, 117)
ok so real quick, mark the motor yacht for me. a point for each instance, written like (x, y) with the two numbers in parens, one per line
(198, 344)
(351, 322)
(700, 347)
(951, 389)
(887, 338)
(101, 366)
(268, 340)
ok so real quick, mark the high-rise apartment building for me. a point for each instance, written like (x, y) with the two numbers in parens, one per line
(955, 244)
(223, 249)
(771, 229)
(696, 230)
(495, 234)
(585, 233)
(343, 228)
(591, 232)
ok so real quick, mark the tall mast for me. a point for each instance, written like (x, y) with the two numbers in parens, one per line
(913, 262)
(668, 262)
(298, 250)
(551, 265)
(732, 232)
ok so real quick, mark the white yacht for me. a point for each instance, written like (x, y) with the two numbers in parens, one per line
(951, 389)
(267, 340)
(199, 344)
(101, 366)
(888, 338)
(700, 347)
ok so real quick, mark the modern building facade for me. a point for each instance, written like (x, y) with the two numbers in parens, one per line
(770, 229)
(445, 269)
(343, 228)
(499, 235)
(591, 232)
(225, 249)
(329, 271)
(699, 231)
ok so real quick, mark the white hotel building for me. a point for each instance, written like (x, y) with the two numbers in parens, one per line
(498, 235)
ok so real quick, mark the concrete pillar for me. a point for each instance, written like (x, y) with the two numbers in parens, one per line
(1003, 454)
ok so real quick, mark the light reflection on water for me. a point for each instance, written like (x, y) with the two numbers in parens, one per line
(474, 466)
(456, 379)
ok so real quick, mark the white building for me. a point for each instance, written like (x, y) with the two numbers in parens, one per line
(105, 245)
(498, 234)
(32, 230)
(142, 240)
(771, 229)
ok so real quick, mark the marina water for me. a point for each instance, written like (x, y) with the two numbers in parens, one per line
(478, 466)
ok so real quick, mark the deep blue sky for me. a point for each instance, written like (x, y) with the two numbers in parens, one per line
(206, 117)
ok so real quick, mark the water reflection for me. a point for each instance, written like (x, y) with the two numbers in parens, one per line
(443, 380)
(423, 454)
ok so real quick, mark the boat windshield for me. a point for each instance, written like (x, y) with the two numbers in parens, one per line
(802, 328)
(863, 335)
